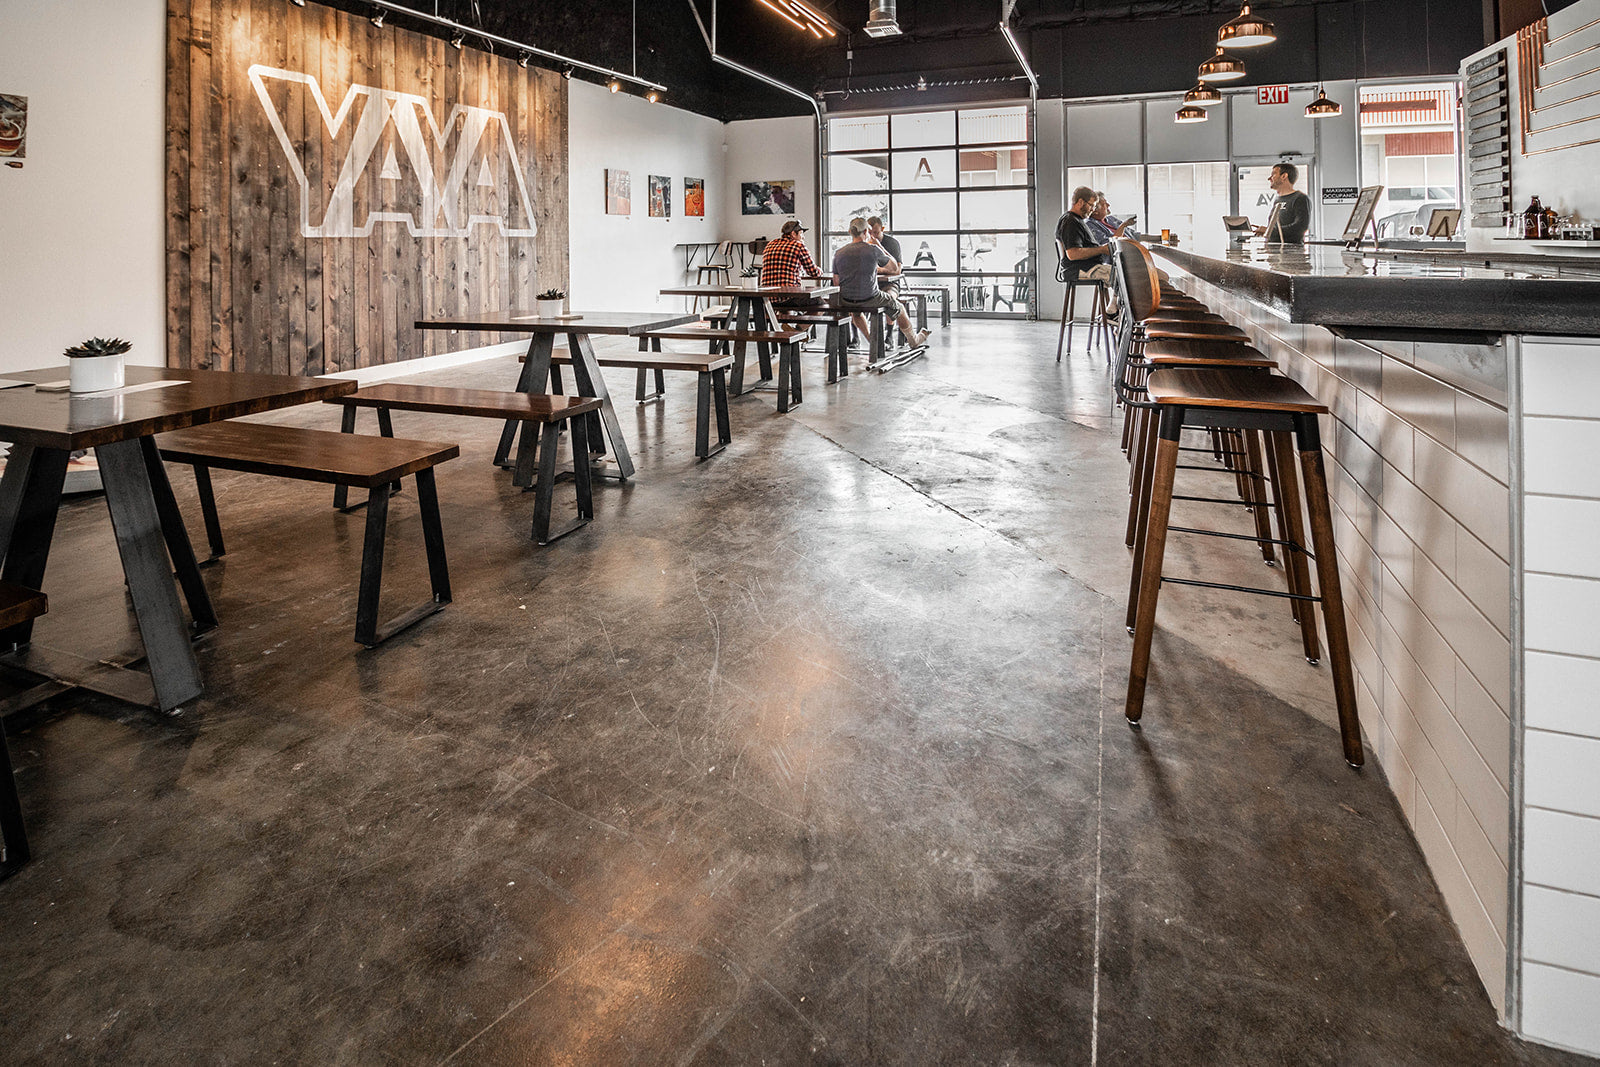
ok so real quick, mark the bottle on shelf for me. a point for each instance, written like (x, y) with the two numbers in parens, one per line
(1533, 220)
(1552, 223)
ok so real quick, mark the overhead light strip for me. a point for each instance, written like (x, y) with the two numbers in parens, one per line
(557, 57)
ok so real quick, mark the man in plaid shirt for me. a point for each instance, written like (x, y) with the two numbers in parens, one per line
(783, 260)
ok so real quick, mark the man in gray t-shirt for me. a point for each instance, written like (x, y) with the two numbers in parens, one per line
(856, 269)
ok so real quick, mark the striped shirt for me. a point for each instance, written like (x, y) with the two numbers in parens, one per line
(783, 261)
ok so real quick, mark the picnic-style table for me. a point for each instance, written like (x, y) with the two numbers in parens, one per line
(752, 310)
(535, 375)
(45, 428)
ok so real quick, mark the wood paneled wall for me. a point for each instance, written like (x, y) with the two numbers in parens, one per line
(247, 288)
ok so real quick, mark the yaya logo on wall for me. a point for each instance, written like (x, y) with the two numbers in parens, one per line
(385, 159)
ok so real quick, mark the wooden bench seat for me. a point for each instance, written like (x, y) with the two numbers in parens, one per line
(711, 368)
(370, 463)
(528, 409)
(836, 339)
(732, 342)
(17, 605)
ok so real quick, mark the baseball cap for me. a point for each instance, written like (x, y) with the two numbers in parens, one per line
(858, 226)
(792, 226)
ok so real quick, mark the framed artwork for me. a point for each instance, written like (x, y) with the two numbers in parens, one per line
(766, 198)
(694, 197)
(13, 129)
(619, 193)
(660, 197)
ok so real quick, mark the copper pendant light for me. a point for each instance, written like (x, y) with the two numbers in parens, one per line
(1222, 68)
(1322, 107)
(1191, 113)
(1202, 95)
(1246, 31)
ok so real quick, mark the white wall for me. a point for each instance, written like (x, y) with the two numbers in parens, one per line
(621, 262)
(772, 150)
(82, 235)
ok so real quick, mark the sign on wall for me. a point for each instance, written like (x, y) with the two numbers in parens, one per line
(13, 129)
(329, 182)
(1339, 194)
(1272, 94)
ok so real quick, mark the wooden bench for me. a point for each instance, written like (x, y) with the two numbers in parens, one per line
(836, 339)
(370, 463)
(710, 367)
(17, 605)
(528, 409)
(723, 341)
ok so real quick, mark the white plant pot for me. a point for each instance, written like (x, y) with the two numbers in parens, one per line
(549, 309)
(90, 374)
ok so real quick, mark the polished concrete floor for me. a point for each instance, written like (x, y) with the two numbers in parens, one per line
(811, 752)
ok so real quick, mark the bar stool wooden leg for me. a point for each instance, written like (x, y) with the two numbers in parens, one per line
(1065, 336)
(1281, 519)
(1256, 492)
(1155, 547)
(1344, 685)
(1298, 574)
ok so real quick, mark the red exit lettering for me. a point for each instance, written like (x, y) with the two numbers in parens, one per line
(1272, 94)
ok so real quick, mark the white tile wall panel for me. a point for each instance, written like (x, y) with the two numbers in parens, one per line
(1485, 722)
(1561, 614)
(1426, 646)
(1485, 578)
(1395, 549)
(1561, 535)
(1561, 928)
(1561, 1007)
(1561, 772)
(1484, 864)
(1483, 941)
(1432, 779)
(1483, 435)
(1476, 500)
(1562, 693)
(1421, 400)
(1559, 379)
(1561, 850)
(1385, 431)
(1558, 456)
(1465, 629)
(1428, 524)
(1402, 780)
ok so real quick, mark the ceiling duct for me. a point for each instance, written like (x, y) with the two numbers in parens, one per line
(882, 22)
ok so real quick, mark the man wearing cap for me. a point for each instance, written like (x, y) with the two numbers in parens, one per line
(783, 261)
(856, 270)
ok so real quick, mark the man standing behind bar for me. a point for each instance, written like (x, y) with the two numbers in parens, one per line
(1291, 212)
(856, 268)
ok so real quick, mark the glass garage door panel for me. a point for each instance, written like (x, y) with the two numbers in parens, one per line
(994, 166)
(854, 134)
(842, 207)
(923, 128)
(925, 168)
(924, 211)
(927, 253)
(859, 172)
(991, 125)
(994, 252)
(999, 209)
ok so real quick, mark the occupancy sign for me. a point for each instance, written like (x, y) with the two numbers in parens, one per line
(1340, 194)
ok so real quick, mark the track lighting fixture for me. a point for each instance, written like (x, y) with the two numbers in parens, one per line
(458, 40)
(614, 85)
(652, 96)
(377, 17)
(298, 3)
(566, 72)
(922, 84)
(523, 59)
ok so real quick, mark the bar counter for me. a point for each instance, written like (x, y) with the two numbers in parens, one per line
(1462, 436)
(1444, 295)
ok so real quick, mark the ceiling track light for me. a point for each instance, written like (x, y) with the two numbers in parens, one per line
(1222, 68)
(801, 16)
(1246, 31)
(457, 41)
(1202, 95)
(1322, 107)
(524, 59)
(566, 72)
(298, 3)
(614, 85)
(377, 17)
(652, 96)
(1191, 113)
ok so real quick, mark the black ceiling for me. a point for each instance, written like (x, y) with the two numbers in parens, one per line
(1077, 47)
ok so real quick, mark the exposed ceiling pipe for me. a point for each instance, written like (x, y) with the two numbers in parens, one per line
(461, 27)
(711, 46)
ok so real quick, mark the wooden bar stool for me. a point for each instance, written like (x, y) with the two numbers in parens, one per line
(1099, 321)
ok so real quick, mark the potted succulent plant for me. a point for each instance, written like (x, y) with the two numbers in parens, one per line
(96, 364)
(550, 303)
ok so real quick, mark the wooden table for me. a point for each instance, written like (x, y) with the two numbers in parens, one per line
(45, 428)
(752, 310)
(535, 375)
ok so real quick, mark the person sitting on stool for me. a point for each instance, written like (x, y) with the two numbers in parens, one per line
(1088, 259)
(856, 270)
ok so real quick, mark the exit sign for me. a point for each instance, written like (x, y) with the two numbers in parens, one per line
(1272, 94)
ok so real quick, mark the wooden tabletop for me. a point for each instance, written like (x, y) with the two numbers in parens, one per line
(60, 420)
(751, 290)
(595, 322)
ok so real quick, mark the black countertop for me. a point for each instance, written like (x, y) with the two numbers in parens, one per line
(1400, 294)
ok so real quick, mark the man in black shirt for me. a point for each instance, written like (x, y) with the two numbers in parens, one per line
(1291, 212)
(1084, 259)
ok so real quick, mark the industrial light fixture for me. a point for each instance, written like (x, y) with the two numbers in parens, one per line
(1246, 31)
(524, 59)
(652, 96)
(1202, 95)
(377, 17)
(1322, 107)
(802, 16)
(298, 3)
(457, 41)
(1191, 113)
(566, 72)
(614, 85)
(1222, 68)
